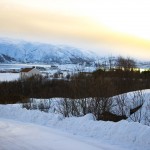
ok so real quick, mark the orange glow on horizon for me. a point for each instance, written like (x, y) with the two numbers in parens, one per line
(88, 24)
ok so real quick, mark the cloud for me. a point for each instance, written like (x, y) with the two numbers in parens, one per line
(20, 20)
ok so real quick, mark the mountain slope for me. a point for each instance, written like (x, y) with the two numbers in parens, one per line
(6, 59)
(24, 51)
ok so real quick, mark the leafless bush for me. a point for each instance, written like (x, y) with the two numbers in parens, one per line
(26, 105)
(120, 104)
(68, 107)
(100, 105)
(79, 107)
(147, 114)
(42, 105)
(136, 114)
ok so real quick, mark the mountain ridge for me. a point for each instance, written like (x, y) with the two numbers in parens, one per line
(6, 59)
(31, 52)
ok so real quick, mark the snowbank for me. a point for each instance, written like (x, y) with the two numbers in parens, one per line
(27, 136)
(125, 132)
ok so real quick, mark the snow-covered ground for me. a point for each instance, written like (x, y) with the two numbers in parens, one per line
(22, 136)
(9, 76)
(39, 130)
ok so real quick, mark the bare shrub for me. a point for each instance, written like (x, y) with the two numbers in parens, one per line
(136, 115)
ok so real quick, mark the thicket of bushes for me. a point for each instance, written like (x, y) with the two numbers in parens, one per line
(100, 83)
(113, 108)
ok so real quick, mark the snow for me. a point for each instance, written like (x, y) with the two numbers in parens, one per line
(9, 76)
(34, 137)
(127, 102)
(131, 100)
(82, 132)
(24, 51)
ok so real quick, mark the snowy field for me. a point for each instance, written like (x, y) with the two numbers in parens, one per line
(33, 129)
(9, 76)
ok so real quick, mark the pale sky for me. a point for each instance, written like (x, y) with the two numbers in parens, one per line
(112, 27)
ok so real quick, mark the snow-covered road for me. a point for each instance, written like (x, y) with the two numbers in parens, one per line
(16, 135)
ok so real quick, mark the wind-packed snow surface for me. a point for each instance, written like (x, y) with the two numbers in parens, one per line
(21, 136)
(80, 132)
(9, 76)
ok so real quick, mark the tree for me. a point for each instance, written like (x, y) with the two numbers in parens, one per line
(126, 64)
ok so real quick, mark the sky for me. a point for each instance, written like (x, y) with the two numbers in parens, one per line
(108, 27)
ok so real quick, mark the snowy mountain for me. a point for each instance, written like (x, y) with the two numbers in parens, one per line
(33, 52)
(6, 59)
(144, 64)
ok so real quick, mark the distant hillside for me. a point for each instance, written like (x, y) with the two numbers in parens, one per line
(23, 51)
(6, 59)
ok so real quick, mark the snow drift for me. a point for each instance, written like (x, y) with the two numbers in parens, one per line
(125, 132)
